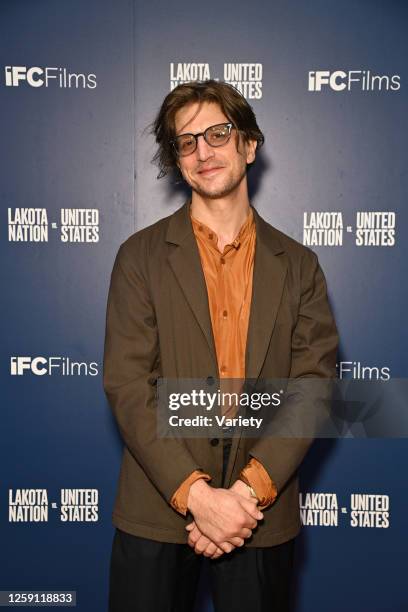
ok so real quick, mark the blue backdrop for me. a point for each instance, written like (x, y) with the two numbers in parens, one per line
(79, 84)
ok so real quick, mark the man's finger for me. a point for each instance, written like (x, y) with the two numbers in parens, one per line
(202, 544)
(250, 524)
(237, 541)
(227, 547)
(195, 534)
(210, 550)
(251, 509)
(217, 553)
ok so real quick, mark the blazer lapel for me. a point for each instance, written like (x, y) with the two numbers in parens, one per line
(267, 288)
(186, 265)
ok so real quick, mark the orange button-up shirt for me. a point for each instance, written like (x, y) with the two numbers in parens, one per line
(228, 276)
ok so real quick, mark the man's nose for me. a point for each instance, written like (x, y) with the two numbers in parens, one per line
(204, 150)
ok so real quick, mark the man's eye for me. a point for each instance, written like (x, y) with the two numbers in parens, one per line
(217, 135)
(186, 143)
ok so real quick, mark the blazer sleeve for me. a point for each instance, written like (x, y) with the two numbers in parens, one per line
(130, 372)
(314, 350)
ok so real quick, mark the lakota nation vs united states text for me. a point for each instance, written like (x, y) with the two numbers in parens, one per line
(246, 77)
(32, 225)
(373, 228)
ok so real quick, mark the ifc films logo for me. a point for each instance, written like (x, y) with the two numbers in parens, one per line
(51, 366)
(362, 80)
(36, 76)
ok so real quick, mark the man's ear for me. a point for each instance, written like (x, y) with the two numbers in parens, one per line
(251, 151)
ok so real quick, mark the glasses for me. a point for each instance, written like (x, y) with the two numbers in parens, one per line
(215, 136)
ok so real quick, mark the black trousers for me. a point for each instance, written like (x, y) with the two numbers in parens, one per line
(150, 576)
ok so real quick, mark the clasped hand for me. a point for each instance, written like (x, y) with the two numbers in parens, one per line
(223, 518)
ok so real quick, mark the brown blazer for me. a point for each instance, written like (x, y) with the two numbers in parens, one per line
(158, 325)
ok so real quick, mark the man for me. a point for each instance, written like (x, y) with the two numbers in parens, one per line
(211, 292)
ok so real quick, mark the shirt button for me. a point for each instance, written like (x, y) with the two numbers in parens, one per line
(223, 369)
(224, 314)
(214, 441)
(200, 227)
(222, 260)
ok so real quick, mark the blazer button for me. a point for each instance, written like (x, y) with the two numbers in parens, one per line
(210, 380)
(214, 441)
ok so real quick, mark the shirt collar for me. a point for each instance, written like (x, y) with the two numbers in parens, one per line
(210, 237)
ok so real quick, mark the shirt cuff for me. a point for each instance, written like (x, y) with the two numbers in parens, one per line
(180, 497)
(255, 476)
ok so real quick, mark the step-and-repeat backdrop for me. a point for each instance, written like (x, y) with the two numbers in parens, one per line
(80, 82)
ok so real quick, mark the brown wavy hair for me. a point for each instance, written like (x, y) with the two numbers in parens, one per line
(231, 101)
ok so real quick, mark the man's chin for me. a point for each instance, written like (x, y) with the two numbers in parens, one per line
(215, 193)
(222, 190)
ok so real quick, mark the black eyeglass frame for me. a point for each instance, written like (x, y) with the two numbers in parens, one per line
(229, 125)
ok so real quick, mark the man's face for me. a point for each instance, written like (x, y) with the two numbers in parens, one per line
(212, 172)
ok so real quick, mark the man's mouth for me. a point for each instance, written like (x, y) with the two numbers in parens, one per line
(209, 171)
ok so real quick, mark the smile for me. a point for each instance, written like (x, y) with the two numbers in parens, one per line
(209, 171)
